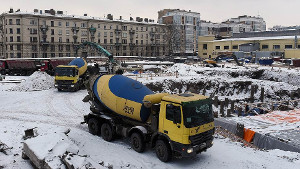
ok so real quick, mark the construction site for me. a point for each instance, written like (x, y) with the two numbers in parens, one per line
(255, 109)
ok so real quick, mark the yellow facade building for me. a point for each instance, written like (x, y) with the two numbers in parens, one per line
(209, 47)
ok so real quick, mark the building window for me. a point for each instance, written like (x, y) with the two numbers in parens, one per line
(111, 41)
(34, 47)
(11, 39)
(124, 47)
(11, 31)
(298, 46)
(18, 31)
(33, 22)
(10, 21)
(60, 47)
(60, 55)
(218, 47)
(52, 47)
(67, 32)
(142, 42)
(288, 46)
(67, 40)
(99, 34)
(276, 46)
(59, 32)
(11, 47)
(105, 41)
(226, 47)
(68, 47)
(53, 55)
(265, 46)
(124, 35)
(111, 34)
(52, 23)
(52, 31)
(137, 42)
(33, 31)
(59, 23)
(105, 34)
(235, 47)
(18, 38)
(83, 25)
(19, 55)
(52, 39)
(204, 46)
(124, 41)
(60, 39)
(99, 25)
(18, 22)
(67, 24)
(124, 28)
(18, 47)
(83, 33)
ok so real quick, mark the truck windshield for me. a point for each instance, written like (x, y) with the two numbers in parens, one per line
(66, 71)
(197, 113)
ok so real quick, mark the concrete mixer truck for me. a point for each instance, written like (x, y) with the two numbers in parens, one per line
(176, 125)
(70, 77)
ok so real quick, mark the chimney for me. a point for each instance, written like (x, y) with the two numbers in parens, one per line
(145, 19)
(60, 12)
(41, 11)
(35, 10)
(131, 19)
(52, 11)
(137, 18)
(11, 10)
(85, 14)
(110, 16)
(120, 17)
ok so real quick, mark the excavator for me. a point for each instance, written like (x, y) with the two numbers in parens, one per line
(72, 77)
(221, 56)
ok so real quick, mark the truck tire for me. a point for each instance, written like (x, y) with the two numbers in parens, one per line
(137, 142)
(107, 132)
(94, 127)
(163, 151)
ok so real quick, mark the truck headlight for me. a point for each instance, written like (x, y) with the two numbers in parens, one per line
(72, 85)
(189, 150)
(55, 85)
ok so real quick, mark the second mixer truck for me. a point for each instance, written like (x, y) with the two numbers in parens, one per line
(179, 125)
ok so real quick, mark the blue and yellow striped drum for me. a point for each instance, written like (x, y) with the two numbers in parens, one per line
(80, 63)
(122, 95)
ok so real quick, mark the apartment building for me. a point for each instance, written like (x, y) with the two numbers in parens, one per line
(227, 28)
(185, 29)
(51, 33)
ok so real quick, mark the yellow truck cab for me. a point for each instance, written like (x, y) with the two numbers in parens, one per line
(186, 120)
(67, 78)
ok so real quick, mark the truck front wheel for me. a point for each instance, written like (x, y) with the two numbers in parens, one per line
(137, 143)
(107, 132)
(163, 151)
(94, 127)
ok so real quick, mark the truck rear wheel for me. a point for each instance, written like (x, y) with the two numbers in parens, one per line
(94, 127)
(137, 142)
(163, 151)
(107, 132)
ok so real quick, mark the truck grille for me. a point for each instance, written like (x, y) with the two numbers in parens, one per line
(64, 81)
(202, 137)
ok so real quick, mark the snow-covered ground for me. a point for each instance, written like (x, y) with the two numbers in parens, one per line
(50, 112)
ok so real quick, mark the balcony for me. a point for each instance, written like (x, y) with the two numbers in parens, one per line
(118, 30)
(118, 44)
(132, 31)
(131, 44)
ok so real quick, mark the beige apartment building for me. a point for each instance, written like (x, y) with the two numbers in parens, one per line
(54, 34)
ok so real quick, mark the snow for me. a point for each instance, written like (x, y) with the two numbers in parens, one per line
(37, 81)
(52, 113)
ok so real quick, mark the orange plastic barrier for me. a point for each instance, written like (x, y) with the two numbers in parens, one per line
(248, 135)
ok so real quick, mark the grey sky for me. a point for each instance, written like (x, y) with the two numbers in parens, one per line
(275, 12)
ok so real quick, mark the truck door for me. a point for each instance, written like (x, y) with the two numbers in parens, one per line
(173, 126)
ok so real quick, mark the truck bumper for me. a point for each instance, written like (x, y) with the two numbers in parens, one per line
(182, 150)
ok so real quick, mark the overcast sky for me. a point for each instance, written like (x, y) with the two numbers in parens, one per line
(274, 12)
